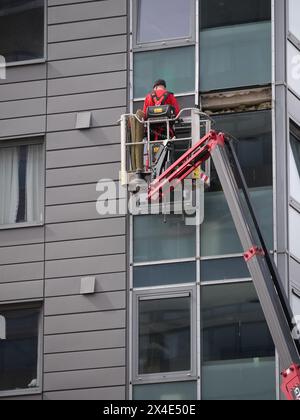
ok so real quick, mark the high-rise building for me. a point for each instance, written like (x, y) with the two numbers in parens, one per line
(116, 306)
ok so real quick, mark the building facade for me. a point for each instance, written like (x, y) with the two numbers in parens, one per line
(116, 306)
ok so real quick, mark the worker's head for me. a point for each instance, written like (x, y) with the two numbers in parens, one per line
(160, 84)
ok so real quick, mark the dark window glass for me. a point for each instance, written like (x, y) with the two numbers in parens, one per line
(295, 143)
(21, 184)
(164, 274)
(224, 269)
(236, 345)
(158, 238)
(235, 44)
(215, 13)
(164, 20)
(164, 335)
(22, 29)
(175, 65)
(172, 391)
(19, 351)
(253, 132)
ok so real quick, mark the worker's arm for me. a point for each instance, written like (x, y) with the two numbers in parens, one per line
(147, 103)
(175, 104)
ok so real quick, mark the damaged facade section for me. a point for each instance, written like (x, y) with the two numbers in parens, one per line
(237, 101)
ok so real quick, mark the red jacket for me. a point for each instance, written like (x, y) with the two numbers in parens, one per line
(171, 100)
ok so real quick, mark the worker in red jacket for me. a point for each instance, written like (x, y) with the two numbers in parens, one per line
(160, 96)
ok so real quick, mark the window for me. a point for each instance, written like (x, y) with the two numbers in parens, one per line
(157, 238)
(21, 183)
(294, 14)
(235, 44)
(295, 162)
(164, 274)
(254, 150)
(224, 269)
(237, 345)
(296, 302)
(294, 68)
(175, 65)
(164, 329)
(22, 27)
(172, 391)
(164, 21)
(19, 351)
(294, 221)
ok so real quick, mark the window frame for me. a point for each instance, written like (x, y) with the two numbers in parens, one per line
(291, 37)
(36, 60)
(39, 388)
(167, 43)
(28, 141)
(158, 293)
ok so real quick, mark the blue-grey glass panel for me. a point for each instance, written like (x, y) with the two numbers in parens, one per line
(175, 65)
(215, 13)
(19, 351)
(174, 391)
(219, 236)
(236, 344)
(156, 238)
(152, 17)
(250, 379)
(164, 335)
(164, 274)
(22, 30)
(224, 269)
(294, 68)
(235, 56)
(253, 131)
(294, 12)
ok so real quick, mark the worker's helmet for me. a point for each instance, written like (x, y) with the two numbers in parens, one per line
(160, 82)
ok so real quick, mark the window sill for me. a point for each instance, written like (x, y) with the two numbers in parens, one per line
(26, 62)
(20, 393)
(21, 226)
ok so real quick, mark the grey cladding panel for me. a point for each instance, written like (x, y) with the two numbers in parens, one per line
(106, 117)
(96, 394)
(82, 174)
(72, 194)
(87, 48)
(75, 212)
(85, 229)
(12, 237)
(21, 291)
(91, 321)
(86, 303)
(90, 83)
(84, 360)
(24, 73)
(85, 266)
(83, 138)
(21, 254)
(37, 397)
(26, 90)
(29, 107)
(86, 11)
(21, 272)
(22, 126)
(85, 248)
(71, 285)
(84, 30)
(87, 101)
(80, 157)
(88, 65)
(95, 340)
(84, 379)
